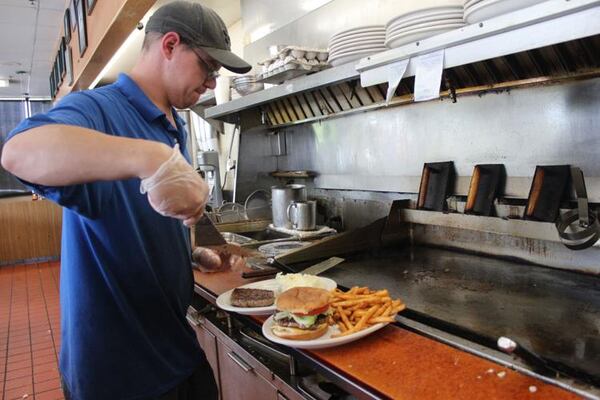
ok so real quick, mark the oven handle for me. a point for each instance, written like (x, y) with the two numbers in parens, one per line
(238, 360)
(264, 345)
(306, 392)
(194, 317)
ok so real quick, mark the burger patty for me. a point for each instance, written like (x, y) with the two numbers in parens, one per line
(290, 322)
(252, 298)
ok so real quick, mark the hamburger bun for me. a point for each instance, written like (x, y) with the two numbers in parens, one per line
(302, 300)
(286, 332)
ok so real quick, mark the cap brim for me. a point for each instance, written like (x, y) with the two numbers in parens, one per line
(228, 60)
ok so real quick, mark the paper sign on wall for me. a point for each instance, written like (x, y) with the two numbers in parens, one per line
(395, 72)
(428, 75)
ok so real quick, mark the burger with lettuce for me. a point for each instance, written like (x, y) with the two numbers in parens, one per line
(302, 313)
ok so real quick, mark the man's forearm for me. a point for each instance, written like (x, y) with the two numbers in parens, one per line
(59, 155)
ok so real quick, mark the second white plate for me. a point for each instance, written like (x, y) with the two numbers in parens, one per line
(319, 343)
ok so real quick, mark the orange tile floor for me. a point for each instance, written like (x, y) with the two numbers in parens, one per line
(29, 332)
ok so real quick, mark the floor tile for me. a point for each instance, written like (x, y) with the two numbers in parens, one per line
(29, 325)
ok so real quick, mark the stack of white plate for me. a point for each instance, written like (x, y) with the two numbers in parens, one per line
(480, 10)
(356, 43)
(423, 22)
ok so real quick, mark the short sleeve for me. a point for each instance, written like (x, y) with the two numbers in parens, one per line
(78, 109)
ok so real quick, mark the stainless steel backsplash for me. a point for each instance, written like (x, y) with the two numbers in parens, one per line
(366, 160)
(384, 150)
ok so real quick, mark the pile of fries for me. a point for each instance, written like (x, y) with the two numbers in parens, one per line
(360, 308)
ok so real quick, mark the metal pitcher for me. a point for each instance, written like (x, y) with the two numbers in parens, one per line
(281, 197)
(303, 215)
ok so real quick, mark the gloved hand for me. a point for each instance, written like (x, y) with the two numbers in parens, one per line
(176, 190)
(209, 260)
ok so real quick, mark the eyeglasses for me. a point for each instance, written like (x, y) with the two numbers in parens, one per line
(211, 72)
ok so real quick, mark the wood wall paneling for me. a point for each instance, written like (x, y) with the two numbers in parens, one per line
(29, 229)
(109, 24)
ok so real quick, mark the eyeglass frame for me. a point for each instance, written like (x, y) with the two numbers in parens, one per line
(211, 73)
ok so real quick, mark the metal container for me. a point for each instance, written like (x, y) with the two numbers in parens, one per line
(281, 197)
(302, 215)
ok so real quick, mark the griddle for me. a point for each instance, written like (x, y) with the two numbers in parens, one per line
(551, 312)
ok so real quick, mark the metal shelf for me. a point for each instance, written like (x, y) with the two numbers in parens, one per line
(546, 24)
(226, 112)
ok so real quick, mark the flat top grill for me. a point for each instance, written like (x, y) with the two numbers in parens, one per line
(554, 313)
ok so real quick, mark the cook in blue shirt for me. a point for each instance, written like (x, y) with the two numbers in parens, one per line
(126, 279)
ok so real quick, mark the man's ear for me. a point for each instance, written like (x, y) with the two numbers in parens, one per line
(169, 41)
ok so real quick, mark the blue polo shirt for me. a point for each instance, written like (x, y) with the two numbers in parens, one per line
(126, 278)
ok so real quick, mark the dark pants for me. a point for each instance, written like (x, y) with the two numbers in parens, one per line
(201, 385)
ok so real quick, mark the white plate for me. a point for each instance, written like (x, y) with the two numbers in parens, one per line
(356, 41)
(224, 300)
(346, 58)
(359, 29)
(320, 343)
(487, 9)
(423, 12)
(430, 24)
(432, 18)
(470, 3)
(345, 39)
(356, 47)
(413, 36)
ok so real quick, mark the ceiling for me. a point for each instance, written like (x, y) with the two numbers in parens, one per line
(29, 35)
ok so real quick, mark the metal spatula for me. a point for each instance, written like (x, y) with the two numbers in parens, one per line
(322, 266)
(207, 233)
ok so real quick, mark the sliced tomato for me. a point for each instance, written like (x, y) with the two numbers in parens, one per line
(316, 311)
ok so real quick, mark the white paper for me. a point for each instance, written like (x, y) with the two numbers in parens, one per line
(428, 75)
(395, 72)
(373, 76)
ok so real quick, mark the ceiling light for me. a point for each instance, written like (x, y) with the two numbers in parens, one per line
(4, 82)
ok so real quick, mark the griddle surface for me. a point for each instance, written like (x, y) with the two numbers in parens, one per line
(552, 312)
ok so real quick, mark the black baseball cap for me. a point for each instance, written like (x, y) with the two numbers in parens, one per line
(201, 28)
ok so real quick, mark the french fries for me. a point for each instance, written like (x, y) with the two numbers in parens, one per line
(361, 307)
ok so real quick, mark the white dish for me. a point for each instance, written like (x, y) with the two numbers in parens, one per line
(346, 58)
(430, 18)
(423, 12)
(224, 300)
(355, 47)
(487, 9)
(359, 29)
(361, 36)
(424, 25)
(470, 3)
(323, 342)
(412, 36)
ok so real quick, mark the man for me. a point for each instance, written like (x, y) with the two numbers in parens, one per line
(126, 280)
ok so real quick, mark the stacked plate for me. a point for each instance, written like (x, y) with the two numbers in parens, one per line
(247, 84)
(356, 43)
(423, 22)
(480, 10)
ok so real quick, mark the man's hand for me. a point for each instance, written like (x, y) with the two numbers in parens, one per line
(176, 190)
(210, 260)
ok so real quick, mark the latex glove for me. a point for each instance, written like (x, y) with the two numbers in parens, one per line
(176, 189)
(209, 260)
